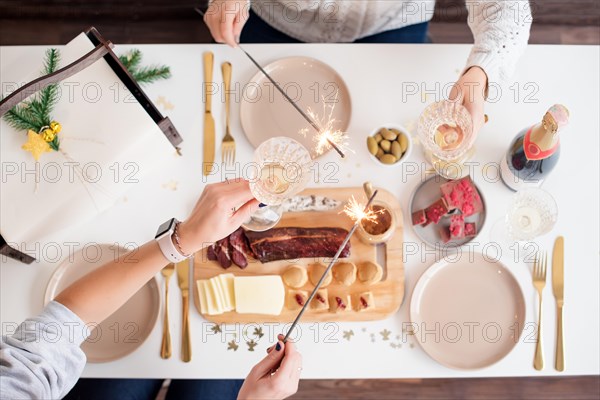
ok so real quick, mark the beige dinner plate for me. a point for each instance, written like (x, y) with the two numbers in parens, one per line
(467, 312)
(312, 84)
(128, 327)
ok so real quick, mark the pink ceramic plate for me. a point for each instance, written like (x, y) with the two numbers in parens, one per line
(128, 327)
(265, 113)
(467, 313)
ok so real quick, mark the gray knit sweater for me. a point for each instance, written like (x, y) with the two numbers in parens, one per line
(42, 359)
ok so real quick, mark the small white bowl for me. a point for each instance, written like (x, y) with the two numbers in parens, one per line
(406, 154)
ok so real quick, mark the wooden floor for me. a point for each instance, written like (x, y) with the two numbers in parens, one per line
(26, 31)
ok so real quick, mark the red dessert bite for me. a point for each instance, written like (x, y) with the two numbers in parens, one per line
(457, 227)
(462, 194)
(470, 229)
(437, 210)
(419, 218)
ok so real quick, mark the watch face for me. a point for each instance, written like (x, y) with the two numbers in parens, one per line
(166, 227)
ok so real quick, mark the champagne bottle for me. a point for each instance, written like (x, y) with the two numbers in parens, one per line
(534, 152)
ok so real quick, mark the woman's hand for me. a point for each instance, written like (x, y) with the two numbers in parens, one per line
(470, 91)
(226, 18)
(221, 209)
(276, 376)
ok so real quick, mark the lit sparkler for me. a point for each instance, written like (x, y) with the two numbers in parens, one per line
(358, 212)
(327, 136)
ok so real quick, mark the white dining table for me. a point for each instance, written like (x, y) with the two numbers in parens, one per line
(388, 84)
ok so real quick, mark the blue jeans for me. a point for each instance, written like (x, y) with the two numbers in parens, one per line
(258, 31)
(147, 389)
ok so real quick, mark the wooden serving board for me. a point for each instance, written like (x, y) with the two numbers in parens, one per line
(388, 293)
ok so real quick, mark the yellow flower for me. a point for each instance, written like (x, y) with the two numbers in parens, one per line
(36, 145)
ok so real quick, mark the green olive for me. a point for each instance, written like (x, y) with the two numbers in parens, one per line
(388, 135)
(388, 159)
(379, 153)
(372, 145)
(396, 149)
(378, 138)
(385, 145)
(403, 142)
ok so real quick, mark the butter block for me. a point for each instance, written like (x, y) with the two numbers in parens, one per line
(259, 294)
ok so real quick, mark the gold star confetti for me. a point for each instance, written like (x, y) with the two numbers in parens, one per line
(36, 145)
(412, 346)
(411, 332)
(216, 328)
(162, 101)
(364, 329)
(232, 346)
(348, 334)
(258, 332)
(171, 185)
(251, 345)
(385, 334)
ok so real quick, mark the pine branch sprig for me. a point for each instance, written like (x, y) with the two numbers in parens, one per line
(34, 114)
(18, 118)
(143, 75)
(151, 73)
(132, 59)
(49, 95)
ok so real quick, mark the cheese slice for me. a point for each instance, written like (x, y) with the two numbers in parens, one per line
(220, 293)
(227, 285)
(211, 306)
(259, 294)
(202, 296)
(214, 291)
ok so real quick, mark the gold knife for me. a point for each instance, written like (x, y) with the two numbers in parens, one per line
(183, 278)
(558, 287)
(209, 122)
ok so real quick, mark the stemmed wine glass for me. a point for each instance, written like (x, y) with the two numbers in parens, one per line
(445, 129)
(531, 213)
(280, 170)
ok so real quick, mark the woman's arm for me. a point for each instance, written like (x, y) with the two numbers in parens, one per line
(98, 294)
(42, 359)
(500, 32)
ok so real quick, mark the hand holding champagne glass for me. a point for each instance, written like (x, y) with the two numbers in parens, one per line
(281, 170)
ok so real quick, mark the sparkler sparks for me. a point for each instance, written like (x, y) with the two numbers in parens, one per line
(357, 212)
(327, 136)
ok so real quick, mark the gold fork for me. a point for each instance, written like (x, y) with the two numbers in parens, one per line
(539, 282)
(165, 348)
(228, 144)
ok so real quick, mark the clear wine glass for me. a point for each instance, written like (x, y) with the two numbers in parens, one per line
(445, 129)
(532, 213)
(280, 170)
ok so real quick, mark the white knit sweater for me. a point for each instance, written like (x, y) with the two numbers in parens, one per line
(500, 28)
